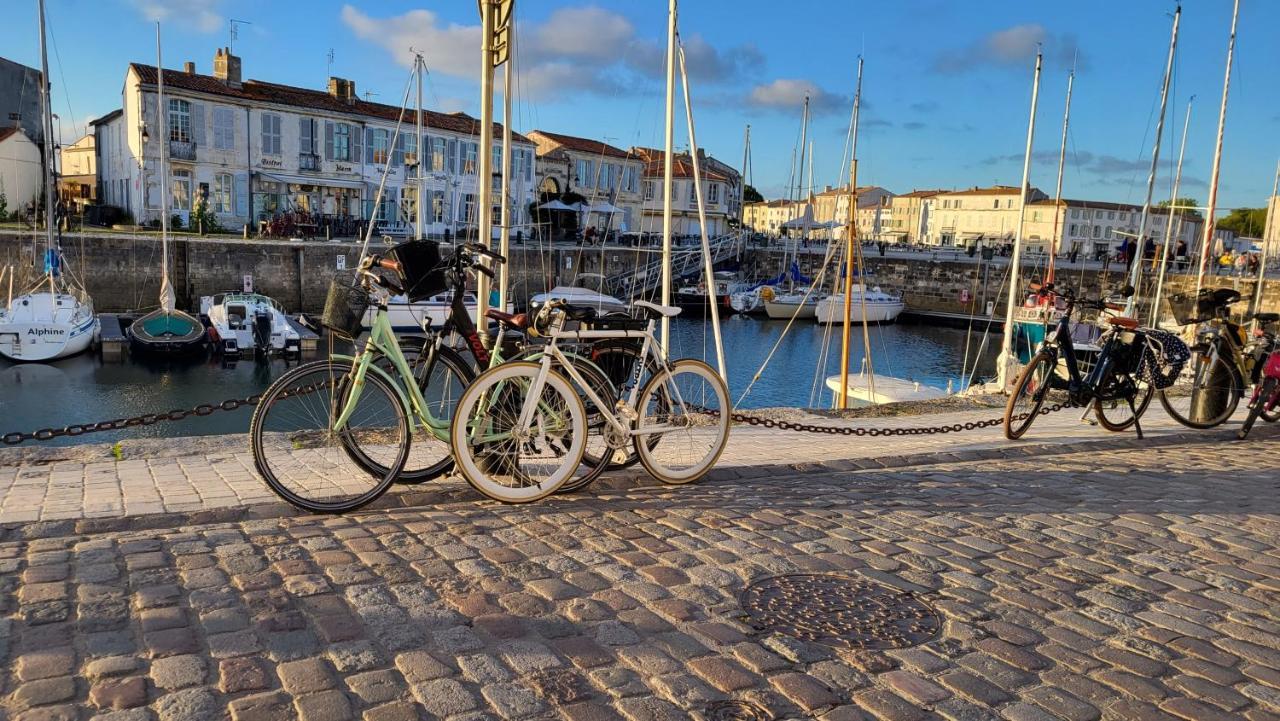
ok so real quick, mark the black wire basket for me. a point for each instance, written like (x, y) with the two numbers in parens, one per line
(344, 308)
(423, 273)
(1189, 308)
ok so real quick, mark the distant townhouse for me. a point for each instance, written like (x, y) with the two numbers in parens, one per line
(256, 150)
(599, 172)
(21, 179)
(20, 100)
(1094, 228)
(832, 205)
(768, 216)
(716, 186)
(908, 216)
(78, 171)
(963, 217)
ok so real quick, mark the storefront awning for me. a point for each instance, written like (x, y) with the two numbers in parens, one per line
(311, 180)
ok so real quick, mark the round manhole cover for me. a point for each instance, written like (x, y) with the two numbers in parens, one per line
(736, 711)
(838, 611)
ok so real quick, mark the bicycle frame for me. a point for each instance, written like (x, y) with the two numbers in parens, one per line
(1085, 388)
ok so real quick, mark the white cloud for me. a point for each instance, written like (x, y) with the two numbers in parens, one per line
(200, 15)
(1011, 46)
(575, 49)
(788, 94)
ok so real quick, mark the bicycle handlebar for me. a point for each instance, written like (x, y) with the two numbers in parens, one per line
(478, 248)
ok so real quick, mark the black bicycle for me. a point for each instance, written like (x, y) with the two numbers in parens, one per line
(1111, 386)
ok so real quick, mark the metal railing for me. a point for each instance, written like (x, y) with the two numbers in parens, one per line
(308, 161)
(182, 150)
(685, 260)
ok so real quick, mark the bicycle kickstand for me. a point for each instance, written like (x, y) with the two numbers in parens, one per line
(1137, 422)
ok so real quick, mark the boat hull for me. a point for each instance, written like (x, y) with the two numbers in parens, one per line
(45, 326)
(779, 309)
(887, 390)
(878, 311)
(694, 305)
(171, 334)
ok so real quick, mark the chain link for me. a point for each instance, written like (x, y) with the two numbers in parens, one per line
(876, 432)
(147, 419)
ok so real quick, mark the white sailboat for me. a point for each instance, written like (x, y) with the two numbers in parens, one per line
(881, 307)
(55, 319)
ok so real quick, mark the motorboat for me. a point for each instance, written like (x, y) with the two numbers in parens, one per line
(249, 324)
(582, 293)
(725, 284)
(881, 307)
(409, 316)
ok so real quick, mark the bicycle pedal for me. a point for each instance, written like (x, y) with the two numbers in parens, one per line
(1089, 421)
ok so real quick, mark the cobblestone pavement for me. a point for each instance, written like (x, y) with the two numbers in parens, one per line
(153, 479)
(1088, 584)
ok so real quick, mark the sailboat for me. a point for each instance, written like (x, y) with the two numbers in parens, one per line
(797, 301)
(165, 330)
(54, 319)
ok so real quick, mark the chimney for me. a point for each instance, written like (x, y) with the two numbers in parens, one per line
(226, 67)
(189, 68)
(343, 89)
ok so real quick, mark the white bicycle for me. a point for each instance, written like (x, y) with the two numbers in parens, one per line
(518, 430)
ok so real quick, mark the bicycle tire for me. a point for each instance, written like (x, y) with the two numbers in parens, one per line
(1228, 381)
(715, 416)
(1041, 383)
(279, 391)
(1264, 395)
(476, 462)
(426, 465)
(614, 359)
(1142, 401)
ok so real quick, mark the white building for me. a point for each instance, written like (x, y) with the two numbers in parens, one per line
(257, 150)
(20, 170)
(716, 186)
(599, 172)
(1093, 228)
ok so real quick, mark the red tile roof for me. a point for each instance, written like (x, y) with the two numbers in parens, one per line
(993, 190)
(683, 168)
(261, 91)
(922, 194)
(583, 145)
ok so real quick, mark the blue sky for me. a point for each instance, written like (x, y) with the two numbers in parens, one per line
(946, 88)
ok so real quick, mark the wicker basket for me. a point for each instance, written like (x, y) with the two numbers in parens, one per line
(1189, 308)
(344, 308)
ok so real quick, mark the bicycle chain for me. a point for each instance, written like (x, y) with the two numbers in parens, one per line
(875, 432)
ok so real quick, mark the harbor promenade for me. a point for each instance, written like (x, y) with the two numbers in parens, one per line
(1075, 575)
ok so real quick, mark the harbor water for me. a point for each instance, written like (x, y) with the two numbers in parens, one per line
(85, 389)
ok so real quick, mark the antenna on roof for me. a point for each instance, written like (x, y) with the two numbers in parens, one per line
(235, 32)
(368, 94)
(328, 68)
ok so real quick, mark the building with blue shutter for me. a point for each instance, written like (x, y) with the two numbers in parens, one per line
(259, 150)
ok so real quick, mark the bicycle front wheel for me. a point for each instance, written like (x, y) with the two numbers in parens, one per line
(508, 460)
(688, 409)
(312, 461)
(1029, 392)
(1206, 394)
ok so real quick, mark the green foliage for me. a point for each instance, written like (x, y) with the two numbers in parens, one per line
(751, 195)
(117, 451)
(1247, 222)
(175, 222)
(205, 220)
(4, 206)
(1183, 204)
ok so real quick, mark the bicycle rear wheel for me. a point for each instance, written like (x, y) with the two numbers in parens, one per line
(1258, 408)
(504, 460)
(687, 408)
(617, 359)
(310, 463)
(1207, 393)
(1115, 415)
(441, 380)
(1029, 392)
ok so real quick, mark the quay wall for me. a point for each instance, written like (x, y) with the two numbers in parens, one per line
(121, 271)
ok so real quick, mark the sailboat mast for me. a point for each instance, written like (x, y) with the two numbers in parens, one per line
(46, 110)
(742, 192)
(1266, 234)
(1006, 358)
(504, 233)
(850, 237)
(1206, 243)
(484, 178)
(420, 214)
(669, 121)
(1171, 231)
(162, 115)
(1062, 164)
(1135, 271)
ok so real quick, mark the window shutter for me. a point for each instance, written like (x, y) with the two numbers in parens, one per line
(356, 144)
(242, 194)
(451, 156)
(197, 124)
(397, 153)
(304, 136)
(368, 143)
(328, 139)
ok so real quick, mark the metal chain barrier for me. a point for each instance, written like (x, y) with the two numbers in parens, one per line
(147, 419)
(909, 431)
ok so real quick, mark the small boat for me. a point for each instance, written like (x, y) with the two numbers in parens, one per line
(415, 316)
(249, 324)
(799, 303)
(693, 298)
(165, 331)
(587, 290)
(747, 302)
(881, 307)
(887, 390)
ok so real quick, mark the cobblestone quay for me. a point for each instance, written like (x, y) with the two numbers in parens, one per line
(1118, 581)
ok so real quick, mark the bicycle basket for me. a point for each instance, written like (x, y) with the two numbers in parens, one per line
(344, 308)
(1188, 308)
(423, 273)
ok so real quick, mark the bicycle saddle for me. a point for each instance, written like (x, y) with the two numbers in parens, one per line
(669, 311)
(579, 312)
(1122, 322)
(1225, 296)
(515, 320)
(1266, 317)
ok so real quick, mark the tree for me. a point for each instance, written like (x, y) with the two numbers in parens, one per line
(1246, 222)
(1186, 207)
(751, 195)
